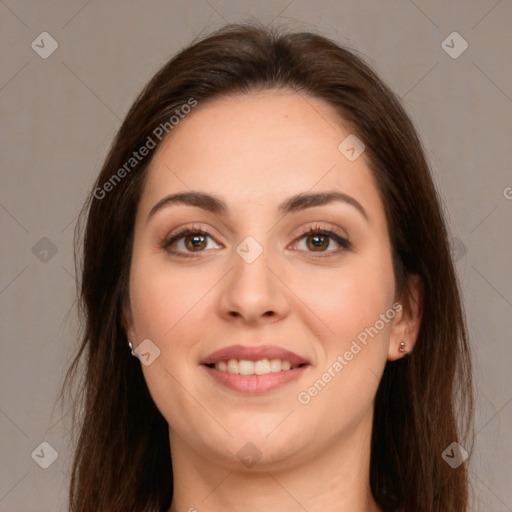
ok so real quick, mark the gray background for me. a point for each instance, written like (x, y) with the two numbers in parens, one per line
(60, 114)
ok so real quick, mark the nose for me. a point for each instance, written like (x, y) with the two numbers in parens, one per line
(252, 292)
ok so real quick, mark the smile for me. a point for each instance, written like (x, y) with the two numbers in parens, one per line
(254, 369)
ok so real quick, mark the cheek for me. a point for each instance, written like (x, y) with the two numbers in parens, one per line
(164, 297)
(167, 305)
(350, 298)
(350, 302)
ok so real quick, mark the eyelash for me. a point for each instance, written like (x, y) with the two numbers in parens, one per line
(315, 230)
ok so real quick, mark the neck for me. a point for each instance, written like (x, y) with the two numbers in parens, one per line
(335, 480)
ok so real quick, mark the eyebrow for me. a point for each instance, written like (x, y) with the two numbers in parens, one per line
(295, 203)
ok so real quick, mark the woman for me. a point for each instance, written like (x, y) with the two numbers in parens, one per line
(272, 318)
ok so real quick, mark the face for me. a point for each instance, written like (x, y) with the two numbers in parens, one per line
(310, 286)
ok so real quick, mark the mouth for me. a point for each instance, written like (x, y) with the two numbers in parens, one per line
(254, 369)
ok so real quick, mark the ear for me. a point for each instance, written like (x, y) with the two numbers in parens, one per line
(407, 321)
(127, 322)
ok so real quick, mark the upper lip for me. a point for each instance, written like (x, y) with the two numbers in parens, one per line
(253, 353)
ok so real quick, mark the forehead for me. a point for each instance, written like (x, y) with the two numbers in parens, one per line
(257, 148)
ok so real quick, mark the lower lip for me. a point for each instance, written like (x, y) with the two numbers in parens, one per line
(254, 384)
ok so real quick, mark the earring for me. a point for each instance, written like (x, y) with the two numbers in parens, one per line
(402, 346)
(131, 348)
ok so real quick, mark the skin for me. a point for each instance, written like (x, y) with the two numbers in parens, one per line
(253, 151)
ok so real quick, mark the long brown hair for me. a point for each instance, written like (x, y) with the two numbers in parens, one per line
(424, 402)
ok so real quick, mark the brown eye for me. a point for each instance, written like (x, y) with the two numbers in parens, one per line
(187, 241)
(318, 242)
(318, 239)
(195, 242)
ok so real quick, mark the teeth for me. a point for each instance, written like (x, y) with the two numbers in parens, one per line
(245, 367)
(260, 367)
(232, 366)
(275, 365)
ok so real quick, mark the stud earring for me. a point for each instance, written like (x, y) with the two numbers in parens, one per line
(402, 346)
(131, 348)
